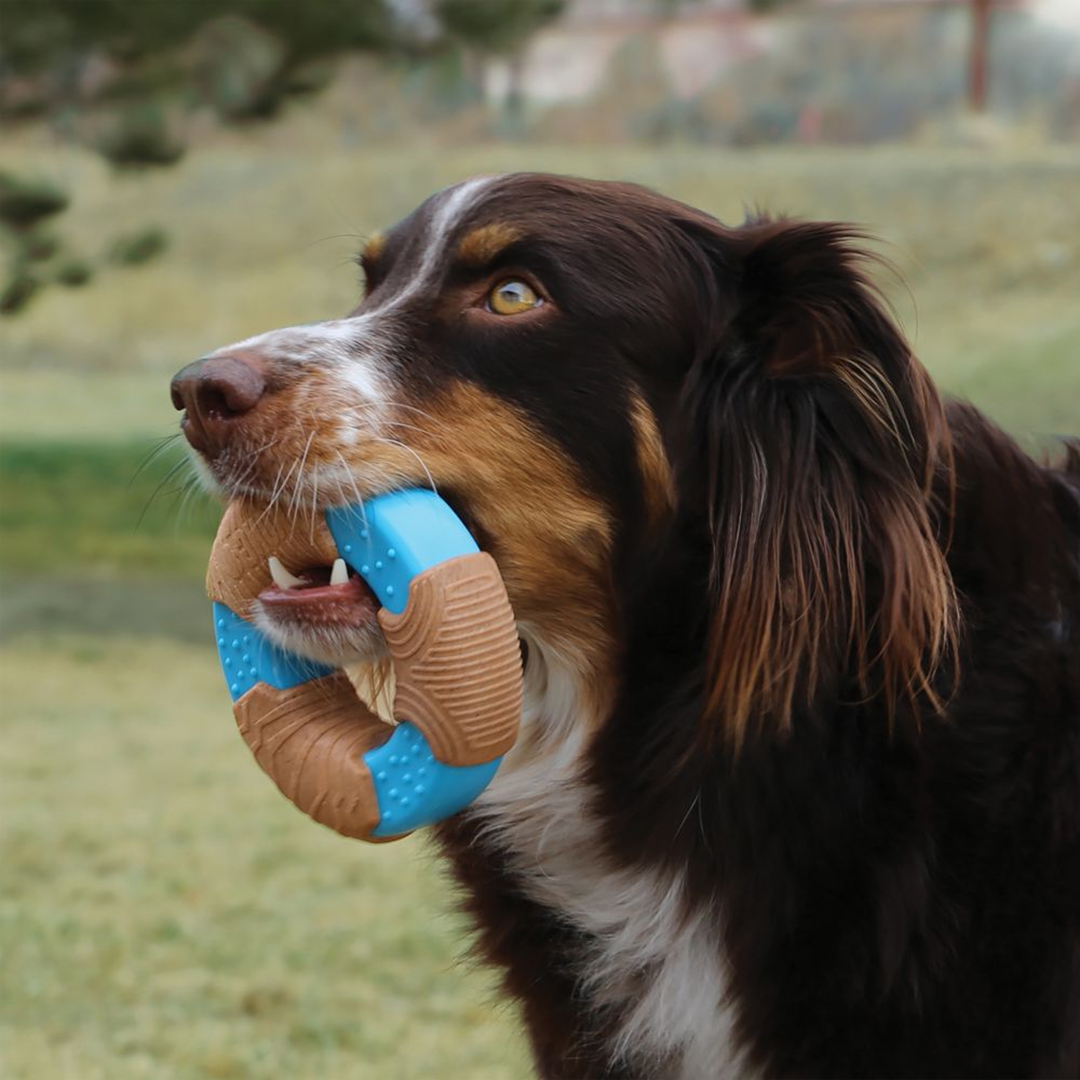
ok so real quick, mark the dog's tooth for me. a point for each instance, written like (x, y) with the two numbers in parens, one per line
(282, 578)
(339, 575)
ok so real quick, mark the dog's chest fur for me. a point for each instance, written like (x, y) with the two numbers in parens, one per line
(646, 960)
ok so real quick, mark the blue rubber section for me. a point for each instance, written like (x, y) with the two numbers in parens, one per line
(413, 788)
(247, 657)
(394, 537)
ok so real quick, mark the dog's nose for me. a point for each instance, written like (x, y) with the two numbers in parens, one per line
(214, 392)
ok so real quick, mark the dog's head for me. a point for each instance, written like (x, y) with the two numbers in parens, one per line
(655, 424)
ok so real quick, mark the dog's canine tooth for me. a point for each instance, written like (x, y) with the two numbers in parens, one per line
(282, 578)
(339, 575)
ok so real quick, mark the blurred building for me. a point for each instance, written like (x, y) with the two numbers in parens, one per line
(568, 60)
(697, 39)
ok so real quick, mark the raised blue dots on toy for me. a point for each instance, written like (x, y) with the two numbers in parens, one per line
(247, 657)
(416, 525)
(448, 787)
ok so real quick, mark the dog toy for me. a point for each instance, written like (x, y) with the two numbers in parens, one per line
(452, 640)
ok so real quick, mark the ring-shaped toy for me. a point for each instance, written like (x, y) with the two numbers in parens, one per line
(452, 639)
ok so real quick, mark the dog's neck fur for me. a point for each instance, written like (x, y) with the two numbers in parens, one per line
(649, 958)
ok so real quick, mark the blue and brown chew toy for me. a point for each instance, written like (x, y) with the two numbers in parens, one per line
(451, 636)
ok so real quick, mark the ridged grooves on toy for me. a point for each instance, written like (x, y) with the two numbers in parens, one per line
(457, 661)
(310, 739)
(247, 536)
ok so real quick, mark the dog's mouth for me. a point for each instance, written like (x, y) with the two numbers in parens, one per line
(323, 610)
(318, 596)
(327, 613)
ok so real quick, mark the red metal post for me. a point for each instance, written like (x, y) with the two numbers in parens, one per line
(980, 33)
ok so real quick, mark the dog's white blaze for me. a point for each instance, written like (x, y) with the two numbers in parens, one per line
(361, 378)
(361, 349)
(445, 219)
(378, 324)
(538, 809)
(332, 340)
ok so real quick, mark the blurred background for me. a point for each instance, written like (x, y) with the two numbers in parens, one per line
(175, 176)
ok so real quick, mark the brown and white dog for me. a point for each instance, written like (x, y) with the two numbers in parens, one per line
(798, 787)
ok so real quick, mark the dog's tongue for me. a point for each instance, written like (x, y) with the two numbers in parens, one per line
(315, 598)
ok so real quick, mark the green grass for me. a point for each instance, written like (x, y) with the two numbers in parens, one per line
(166, 913)
(99, 537)
(261, 235)
(101, 508)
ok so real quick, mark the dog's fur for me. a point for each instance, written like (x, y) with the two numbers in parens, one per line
(798, 786)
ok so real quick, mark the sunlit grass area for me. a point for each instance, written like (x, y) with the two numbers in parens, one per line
(166, 913)
(988, 244)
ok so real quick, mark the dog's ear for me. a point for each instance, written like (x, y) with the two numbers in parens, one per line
(814, 441)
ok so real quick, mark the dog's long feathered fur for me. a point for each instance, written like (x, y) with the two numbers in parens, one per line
(798, 791)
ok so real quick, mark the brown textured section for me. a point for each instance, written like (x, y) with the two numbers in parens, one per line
(309, 740)
(248, 535)
(457, 661)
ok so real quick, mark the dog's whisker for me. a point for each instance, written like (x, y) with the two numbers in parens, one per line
(398, 406)
(270, 501)
(253, 464)
(314, 505)
(358, 500)
(297, 488)
(409, 450)
(159, 448)
(189, 490)
(159, 489)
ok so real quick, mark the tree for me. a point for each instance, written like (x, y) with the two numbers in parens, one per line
(39, 34)
(498, 28)
(764, 7)
(494, 26)
(240, 56)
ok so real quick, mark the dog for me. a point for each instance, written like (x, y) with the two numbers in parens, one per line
(797, 791)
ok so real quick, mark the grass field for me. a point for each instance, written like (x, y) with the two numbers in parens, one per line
(988, 244)
(164, 913)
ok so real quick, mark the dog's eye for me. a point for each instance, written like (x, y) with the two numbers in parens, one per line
(512, 298)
